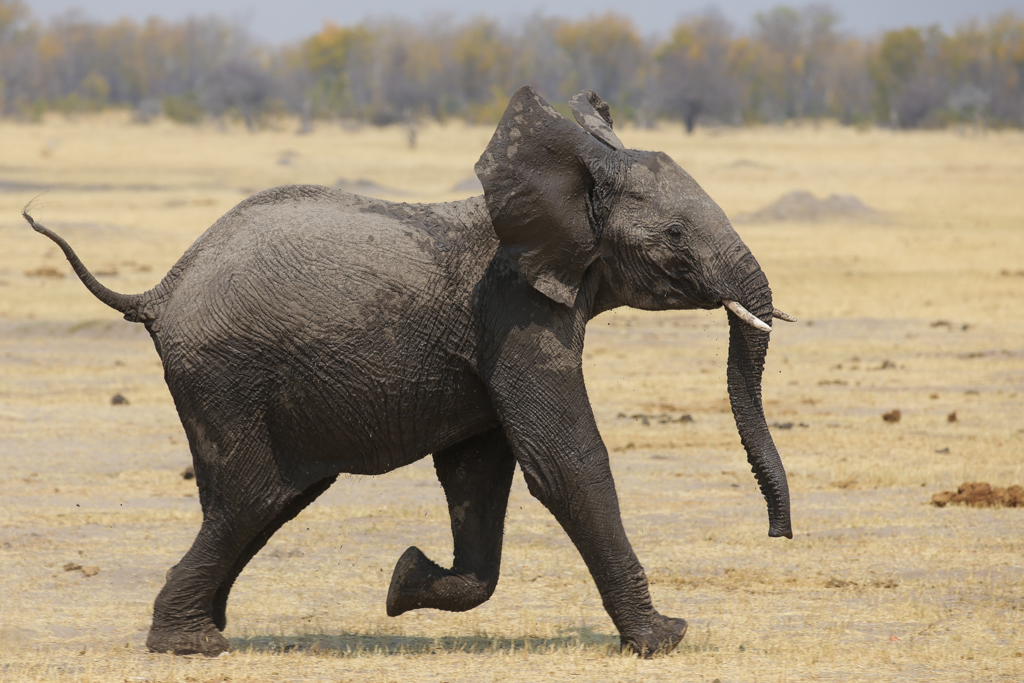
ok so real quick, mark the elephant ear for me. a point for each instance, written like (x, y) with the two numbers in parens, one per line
(538, 174)
(594, 114)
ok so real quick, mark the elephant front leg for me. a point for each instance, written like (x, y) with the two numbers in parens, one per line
(476, 476)
(583, 500)
(551, 427)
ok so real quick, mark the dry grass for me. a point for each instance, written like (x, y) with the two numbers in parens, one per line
(912, 313)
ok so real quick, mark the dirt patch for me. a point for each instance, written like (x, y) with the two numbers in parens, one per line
(789, 425)
(88, 570)
(800, 205)
(875, 583)
(663, 418)
(14, 186)
(979, 494)
(44, 271)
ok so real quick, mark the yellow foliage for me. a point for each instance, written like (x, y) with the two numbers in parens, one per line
(598, 34)
(96, 88)
(49, 48)
(327, 51)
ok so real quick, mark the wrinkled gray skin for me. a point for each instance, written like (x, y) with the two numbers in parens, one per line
(310, 332)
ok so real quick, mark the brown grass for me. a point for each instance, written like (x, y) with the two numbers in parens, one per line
(922, 313)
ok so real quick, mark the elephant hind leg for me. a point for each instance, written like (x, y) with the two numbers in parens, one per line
(244, 501)
(288, 513)
(476, 476)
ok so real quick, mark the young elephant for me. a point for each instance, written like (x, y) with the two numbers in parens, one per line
(310, 332)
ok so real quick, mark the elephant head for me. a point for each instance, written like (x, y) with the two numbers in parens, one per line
(566, 199)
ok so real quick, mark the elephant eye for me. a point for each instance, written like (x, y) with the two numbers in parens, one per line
(675, 231)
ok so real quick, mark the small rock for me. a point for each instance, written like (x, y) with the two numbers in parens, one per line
(951, 417)
(188, 473)
(90, 570)
(118, 400)
(892, 415)
(72, 567)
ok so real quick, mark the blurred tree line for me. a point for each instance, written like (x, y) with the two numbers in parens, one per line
(793, 64)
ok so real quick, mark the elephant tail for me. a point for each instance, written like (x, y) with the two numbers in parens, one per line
(131, 305)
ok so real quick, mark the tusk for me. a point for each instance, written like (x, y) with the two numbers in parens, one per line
(776, 313)
(746, 316)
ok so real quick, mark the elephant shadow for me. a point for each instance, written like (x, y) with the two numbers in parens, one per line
(352, 644)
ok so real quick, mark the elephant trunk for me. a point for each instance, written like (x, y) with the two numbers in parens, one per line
(748, 347)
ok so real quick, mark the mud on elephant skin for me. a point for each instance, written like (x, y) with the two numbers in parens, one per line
(311, 332)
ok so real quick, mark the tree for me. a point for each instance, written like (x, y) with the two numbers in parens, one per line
(848, 85)
(13, 14)
(539, 59)
(1005, 80)
(606, 55)
(483, 58)
(779, 63)
(16, 62)
(789, 62)
(694, 75)
(326, 56)
(236, 85)
(905, 72)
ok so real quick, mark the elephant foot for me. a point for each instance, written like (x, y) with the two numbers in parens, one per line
(207, 642)
(665, 634)
(414, 573)
(419, 582)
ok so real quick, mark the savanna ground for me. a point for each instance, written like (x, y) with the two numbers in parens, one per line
(920, 310)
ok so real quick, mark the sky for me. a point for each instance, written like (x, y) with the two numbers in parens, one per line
(282, 21)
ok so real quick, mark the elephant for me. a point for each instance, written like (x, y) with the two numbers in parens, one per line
(310, 332)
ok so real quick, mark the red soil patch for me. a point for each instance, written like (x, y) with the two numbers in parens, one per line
(981, 495)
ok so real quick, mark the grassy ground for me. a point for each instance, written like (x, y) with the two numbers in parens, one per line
(921, 311)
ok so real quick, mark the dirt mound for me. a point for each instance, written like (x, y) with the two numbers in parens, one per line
(365, 187)
(470, 184)
(981, 495)
(801, 205)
